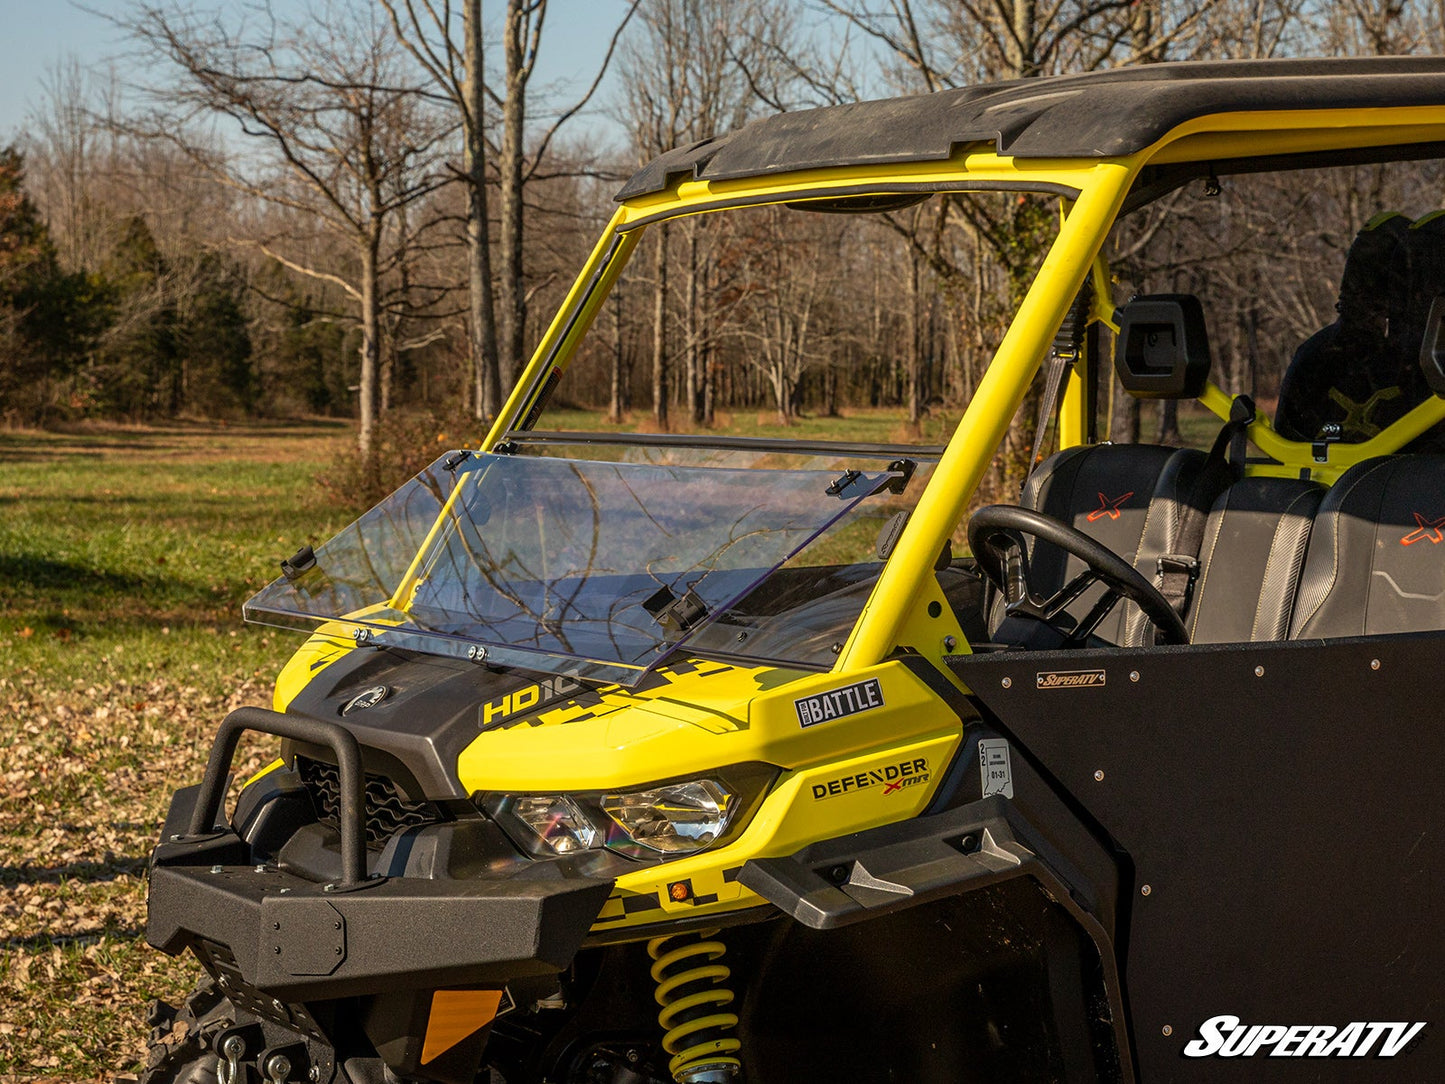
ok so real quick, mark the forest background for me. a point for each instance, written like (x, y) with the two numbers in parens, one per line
(369, 209)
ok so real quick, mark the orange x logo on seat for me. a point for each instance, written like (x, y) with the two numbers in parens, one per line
(1425, 528)
(1109, 507)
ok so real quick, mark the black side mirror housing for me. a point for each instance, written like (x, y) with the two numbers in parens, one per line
(1162, 350)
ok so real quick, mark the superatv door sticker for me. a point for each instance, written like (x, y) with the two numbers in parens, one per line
(839, 703)
(993, 767)
(1226, 1037)
(1069, 679)
(892, 778)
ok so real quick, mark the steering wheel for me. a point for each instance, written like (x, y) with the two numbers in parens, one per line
(994, 536)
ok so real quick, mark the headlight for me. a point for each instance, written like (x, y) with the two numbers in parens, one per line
(556, 823)
(679, 819)
(661, 821)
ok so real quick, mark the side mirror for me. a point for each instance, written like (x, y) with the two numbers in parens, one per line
(1432, 347)
(1162, 351)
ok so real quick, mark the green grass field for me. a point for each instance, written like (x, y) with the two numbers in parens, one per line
(124, 558)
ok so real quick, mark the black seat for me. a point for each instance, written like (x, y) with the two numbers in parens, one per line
(1376, 558)
(1250, 560)
(1129, 497)
(1353, 378)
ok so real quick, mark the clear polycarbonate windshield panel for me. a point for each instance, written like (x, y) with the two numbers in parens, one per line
(573, 567)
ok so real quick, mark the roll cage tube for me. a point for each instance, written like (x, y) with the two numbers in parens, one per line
(1101, 187)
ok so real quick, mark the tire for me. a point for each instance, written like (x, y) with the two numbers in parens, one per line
(181, 1044)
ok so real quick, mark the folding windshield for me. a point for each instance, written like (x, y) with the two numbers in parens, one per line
(588, 569)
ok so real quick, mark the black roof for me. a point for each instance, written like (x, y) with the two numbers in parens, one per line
(1095, 115)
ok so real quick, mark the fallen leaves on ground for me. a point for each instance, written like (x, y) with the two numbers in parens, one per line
(87, 772)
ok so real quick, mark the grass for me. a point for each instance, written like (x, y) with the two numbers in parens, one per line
(125, 555)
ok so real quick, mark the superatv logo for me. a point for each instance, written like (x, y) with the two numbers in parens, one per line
(838, 703)
(1069, 679)
(892, 778)
(1226, 1037)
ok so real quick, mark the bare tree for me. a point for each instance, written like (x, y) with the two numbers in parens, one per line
(333, 127)
(428, 30)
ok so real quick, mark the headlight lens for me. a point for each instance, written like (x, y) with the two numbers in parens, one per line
(662, 821)
(679, 819)
(552, 823)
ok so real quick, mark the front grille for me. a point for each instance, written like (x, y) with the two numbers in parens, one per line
(387, 813)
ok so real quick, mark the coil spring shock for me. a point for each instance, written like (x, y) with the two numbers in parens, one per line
(690, 989)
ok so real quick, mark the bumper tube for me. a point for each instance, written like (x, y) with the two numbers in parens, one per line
(299, 940)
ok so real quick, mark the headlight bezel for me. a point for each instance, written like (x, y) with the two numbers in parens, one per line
(744, 784)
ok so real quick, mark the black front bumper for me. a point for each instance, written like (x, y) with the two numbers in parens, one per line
(298, 940)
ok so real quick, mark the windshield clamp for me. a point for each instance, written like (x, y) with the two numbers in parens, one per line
(455, 460)
(675, 615)
(843, 481)
(298, 564)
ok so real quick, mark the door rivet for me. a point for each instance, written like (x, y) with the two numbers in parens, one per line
(1099, 776)
(1168, 1031)
(1007, 683)
(1133, 675)
(1374, 664)
(1144, 891)
(1259, 671)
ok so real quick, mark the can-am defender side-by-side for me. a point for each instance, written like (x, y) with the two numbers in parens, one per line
(619, 758)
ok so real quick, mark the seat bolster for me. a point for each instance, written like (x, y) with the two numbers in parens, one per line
(1249, 562)
(1177, 490)
(1284, 565)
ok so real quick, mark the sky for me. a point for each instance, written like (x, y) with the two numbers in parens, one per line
(36, 35)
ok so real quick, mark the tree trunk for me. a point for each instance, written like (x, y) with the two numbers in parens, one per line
(615, 406)
(914, 347)
(659, 330)
(514, 114)
(370, 345)
(486, 372)
(693, 331)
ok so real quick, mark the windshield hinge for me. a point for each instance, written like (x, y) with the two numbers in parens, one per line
(675, 615)
(455, 460)
(905, 467)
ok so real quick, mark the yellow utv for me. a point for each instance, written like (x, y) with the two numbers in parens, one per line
(628, 758)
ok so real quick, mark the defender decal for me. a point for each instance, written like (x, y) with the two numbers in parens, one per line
(839, 703)
(892, 778)
(1069, 679)
(1226, 1037)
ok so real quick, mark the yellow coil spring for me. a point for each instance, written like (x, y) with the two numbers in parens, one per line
(695, 1032)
